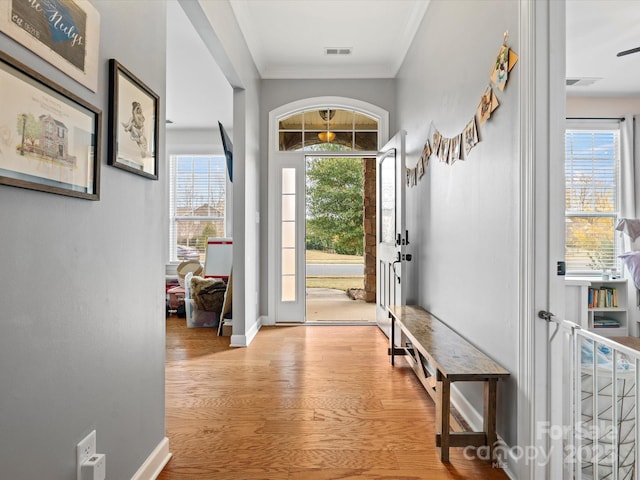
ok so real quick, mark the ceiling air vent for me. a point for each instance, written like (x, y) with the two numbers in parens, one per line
(337, 51)
(581, 82)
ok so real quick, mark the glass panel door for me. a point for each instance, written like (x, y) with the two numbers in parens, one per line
(391, 231)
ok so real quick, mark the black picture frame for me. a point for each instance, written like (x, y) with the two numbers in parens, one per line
(50, 139)
(134, 128)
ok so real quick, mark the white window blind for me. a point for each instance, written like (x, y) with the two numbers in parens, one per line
(197, 201)
(592, 173)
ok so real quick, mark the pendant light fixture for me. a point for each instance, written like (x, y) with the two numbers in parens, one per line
(327, 136)
(327, 116)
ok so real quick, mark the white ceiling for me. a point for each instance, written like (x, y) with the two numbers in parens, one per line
(198, 94)
(596, 31)
(287, 40)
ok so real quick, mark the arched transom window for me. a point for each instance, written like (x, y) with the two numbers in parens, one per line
(328, 129)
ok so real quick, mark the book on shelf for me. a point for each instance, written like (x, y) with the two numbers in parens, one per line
(605, 322)
(603, 297)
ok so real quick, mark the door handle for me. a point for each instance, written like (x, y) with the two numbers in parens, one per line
(393, 266)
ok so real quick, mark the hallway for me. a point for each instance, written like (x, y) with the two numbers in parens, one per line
(307, 403)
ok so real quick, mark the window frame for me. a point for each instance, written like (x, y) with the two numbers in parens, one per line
(307, 129)
(173, 218)
(596, 125)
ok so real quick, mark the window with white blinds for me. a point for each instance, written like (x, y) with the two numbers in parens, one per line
(592, 175)
(197, 204)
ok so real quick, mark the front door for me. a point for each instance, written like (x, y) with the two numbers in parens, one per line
(392, 236)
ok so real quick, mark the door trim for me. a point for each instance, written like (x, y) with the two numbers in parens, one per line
(315, 102)
(541, 241)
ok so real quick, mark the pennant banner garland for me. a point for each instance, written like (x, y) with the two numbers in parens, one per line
(450, 150)
(470, 136)
(488, 104)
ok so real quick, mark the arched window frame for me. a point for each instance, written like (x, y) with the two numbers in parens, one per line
(334, 128)
(324, 103)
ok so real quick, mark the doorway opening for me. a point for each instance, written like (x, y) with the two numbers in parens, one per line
(327, 127)
(340, 239)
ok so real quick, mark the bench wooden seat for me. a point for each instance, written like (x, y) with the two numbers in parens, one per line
(430, 344)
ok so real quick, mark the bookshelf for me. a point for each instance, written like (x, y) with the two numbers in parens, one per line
(604, 315)
(607, 308)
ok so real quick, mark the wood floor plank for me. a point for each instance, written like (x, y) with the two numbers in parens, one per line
(370, 474)
(308, 403)
(348, 459)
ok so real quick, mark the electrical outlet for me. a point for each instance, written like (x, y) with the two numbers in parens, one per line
(94, 468)
(85, 449)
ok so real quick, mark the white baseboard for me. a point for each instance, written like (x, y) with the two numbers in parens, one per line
(246, 339)
(155, 462)
(511, 466)
(475, 421)
(267, 322)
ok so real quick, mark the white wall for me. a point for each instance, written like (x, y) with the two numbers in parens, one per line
(463, 218)
(602, 106)
(82, 322)
(195, 141)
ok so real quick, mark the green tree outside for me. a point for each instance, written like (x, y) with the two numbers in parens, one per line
(590, 236)
(334, 205)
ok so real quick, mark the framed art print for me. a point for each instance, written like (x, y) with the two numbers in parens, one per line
(65, 33)
(49, 138)
(133, 123)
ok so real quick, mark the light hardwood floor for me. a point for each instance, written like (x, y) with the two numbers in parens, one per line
(307, 403)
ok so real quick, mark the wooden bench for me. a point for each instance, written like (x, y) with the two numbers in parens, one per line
(453, 359)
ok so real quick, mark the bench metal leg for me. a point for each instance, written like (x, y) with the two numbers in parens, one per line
(443, 412)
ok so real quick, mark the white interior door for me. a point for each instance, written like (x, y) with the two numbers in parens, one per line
(391, 232)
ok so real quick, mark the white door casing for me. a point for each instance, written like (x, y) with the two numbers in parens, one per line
(542, 112)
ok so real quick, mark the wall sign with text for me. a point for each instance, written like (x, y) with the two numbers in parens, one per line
(65, 33)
